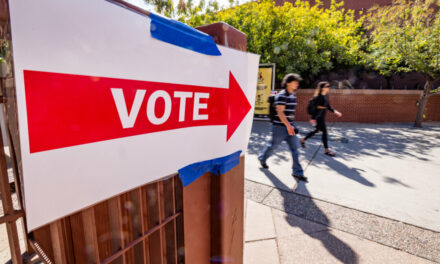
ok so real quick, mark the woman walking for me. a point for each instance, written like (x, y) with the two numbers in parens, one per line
(322, 105)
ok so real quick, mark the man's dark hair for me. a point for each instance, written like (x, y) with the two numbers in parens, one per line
(290, 78)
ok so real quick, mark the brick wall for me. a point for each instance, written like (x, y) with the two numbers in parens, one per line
(372, 106)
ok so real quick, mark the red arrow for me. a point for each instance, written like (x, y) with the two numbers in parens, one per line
(66, 110)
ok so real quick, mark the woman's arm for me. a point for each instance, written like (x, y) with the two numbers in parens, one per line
(330, 108)
(336, 112)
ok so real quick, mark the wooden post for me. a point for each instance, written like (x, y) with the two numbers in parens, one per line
(9, 110)
(214, 205)
(227, 215)
(197, 220)
(8, 208)
(58, 242)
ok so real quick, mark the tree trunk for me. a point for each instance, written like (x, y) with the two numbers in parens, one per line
(423, 101)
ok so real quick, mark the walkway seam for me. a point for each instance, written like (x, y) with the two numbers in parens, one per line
(273, 188)
(353, 234)
(259, 240)
(276, 234)
(344, 206)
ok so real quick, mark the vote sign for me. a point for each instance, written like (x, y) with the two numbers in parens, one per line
(103, 107)
(86, 109)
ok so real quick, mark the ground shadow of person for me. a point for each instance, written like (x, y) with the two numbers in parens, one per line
(306, 208)
(342, 169)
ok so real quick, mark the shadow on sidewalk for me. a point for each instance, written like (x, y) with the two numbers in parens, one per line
(306, 208)
(261, 136)
(399, 141)
(351, 173)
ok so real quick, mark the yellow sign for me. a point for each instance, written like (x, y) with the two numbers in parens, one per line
(264, 87)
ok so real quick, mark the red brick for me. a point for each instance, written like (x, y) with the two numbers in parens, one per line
(372, 106)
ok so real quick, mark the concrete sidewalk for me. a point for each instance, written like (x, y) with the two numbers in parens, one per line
(377, 202)
(386, 170)
(273, 236)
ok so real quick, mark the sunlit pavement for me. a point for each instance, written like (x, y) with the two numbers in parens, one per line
(382, 187)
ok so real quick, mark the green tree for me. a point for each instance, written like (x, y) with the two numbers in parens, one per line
(297, 37)
(405, 37)
(184, 8)
(165, 7)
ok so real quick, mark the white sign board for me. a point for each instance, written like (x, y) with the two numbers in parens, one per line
(103, 107)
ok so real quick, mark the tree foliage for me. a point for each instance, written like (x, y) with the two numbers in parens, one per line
(165, 7)
(405, 37)
(297, 37)
(185, 8)
(402, 37)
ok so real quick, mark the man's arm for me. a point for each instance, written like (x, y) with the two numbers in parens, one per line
(283, 118)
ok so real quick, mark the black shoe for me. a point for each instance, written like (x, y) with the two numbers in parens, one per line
(303, 143)
(329, 153)
(263, 164)
(301, 177)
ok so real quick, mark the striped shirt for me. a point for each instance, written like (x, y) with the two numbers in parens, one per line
(289, 100)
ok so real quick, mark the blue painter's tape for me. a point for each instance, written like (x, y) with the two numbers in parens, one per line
(217, 166)
(179, 34)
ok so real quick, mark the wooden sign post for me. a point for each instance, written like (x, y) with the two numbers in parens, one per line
(160, 222)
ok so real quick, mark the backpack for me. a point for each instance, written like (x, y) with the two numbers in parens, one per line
(311, 107)
(272, 110)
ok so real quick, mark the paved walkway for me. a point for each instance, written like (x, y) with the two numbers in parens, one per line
(387, 170)
(377, 202)
(278, 237)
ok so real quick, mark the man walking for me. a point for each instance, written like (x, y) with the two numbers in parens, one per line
(282, 125)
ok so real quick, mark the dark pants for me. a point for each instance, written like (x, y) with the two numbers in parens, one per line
(320, 126)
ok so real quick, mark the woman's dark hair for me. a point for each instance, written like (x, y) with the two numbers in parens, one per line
(290, 78)
(320, 86)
